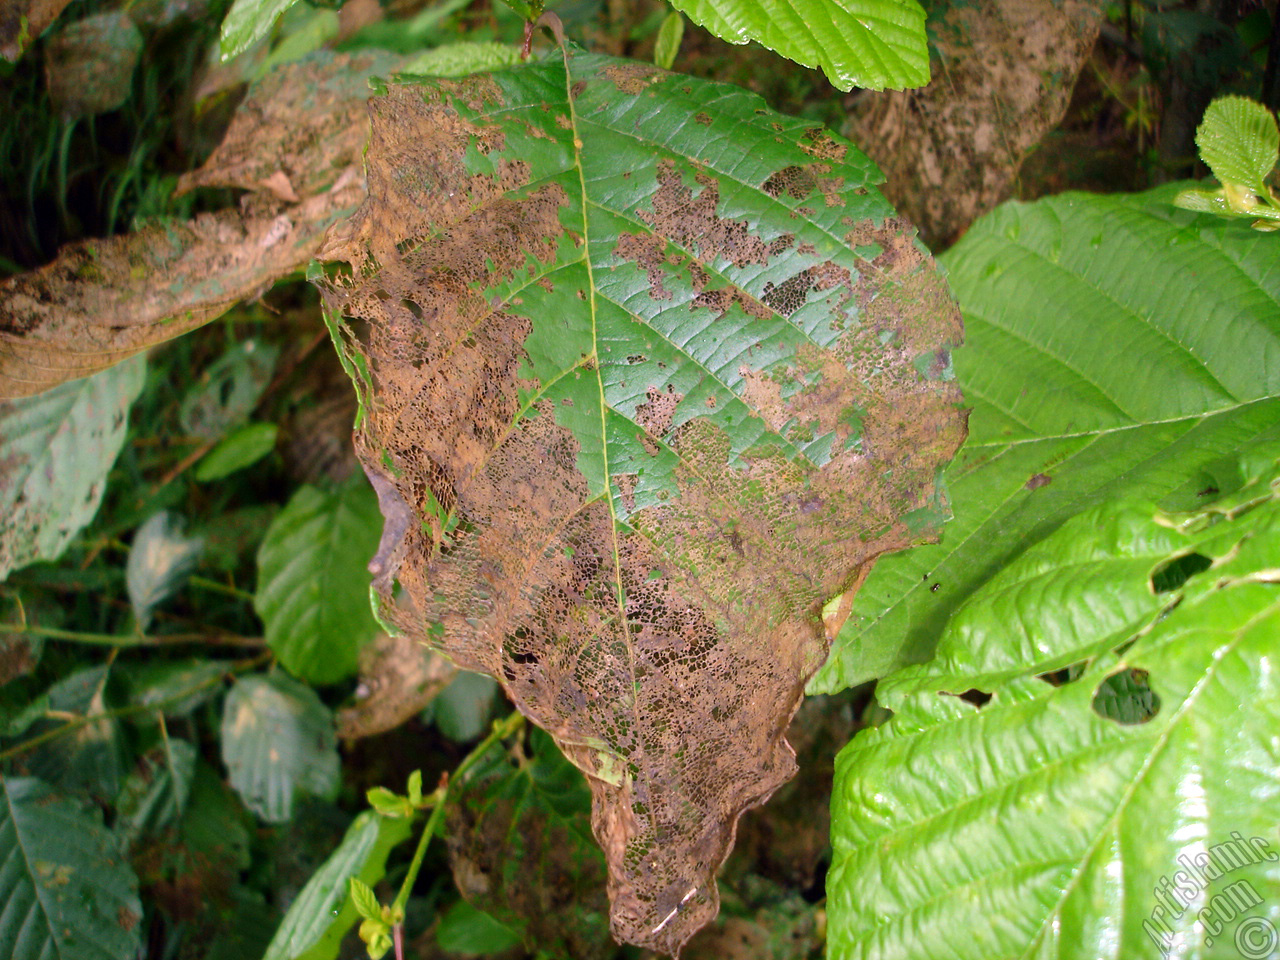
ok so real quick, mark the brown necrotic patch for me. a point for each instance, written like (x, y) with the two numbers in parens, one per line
(692, 222)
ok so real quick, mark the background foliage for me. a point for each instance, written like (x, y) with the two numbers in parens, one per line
(1090, 645)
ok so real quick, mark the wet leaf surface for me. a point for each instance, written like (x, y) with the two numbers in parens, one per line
(657, 373)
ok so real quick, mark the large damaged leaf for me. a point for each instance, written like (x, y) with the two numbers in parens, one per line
(650, 373)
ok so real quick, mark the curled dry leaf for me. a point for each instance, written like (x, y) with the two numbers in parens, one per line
(657, 372)
(398, 677)
(104, 300)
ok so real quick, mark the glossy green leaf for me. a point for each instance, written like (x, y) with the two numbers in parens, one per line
(313, 581)
(277, 743)
(1239, 141)
(160, 560)
(668, 43)
(68, 892)
(55, 451)
(650, 373)
(1128, 812)
(323, 912)
(1116, 347)
(247, 22)
(459, 59)
(876, 44)
(241, 449)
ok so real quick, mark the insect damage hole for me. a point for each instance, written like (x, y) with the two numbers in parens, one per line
(1126, 698)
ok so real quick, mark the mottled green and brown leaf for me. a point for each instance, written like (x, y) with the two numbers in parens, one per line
(656, 372)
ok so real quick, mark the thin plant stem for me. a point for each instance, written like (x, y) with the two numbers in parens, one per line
(71, 726)
(224, 588)
(130, 640)
(501, 730)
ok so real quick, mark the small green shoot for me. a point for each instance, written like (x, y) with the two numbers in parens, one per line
(1238, 140)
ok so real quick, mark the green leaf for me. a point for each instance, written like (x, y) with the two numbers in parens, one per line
(387, 803)
(364, 899)
(156, 791)
(463, 708)
(650, 373)
(459, 59)
(226, 393)
(876, 44)
(1105, 816)
(277, 742)
(464, 929)
(241, 449)
(55, 451)
(322, 913)
(1239, 142)
(247, 22)
(667, 45)
(160, 560)
(69, 894)
(215, 827)
(173, 687)
(313, 585)
(1115, 348)
(89, 758)
(305, 30)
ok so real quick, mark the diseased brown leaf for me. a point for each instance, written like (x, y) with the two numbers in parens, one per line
(952, 150)
(398, 677)
(104, 300)
(657, 373)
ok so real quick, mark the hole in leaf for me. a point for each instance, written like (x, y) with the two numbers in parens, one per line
(1067, 674)
(1172, 575)
(1126, 697)
(979, 698)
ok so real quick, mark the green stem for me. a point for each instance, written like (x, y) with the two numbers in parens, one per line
(98, 639)
(501, 730)
(128, 640)
(72, 725)
(223, 588)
